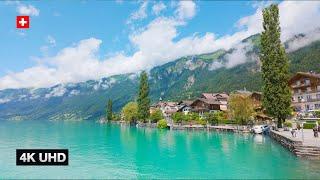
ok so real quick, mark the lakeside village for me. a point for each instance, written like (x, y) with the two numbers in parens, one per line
(240, 110)
(288, 108)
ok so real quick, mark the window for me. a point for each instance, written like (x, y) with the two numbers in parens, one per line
(298, 83)
(299, 90)
(317, 106)
(309, 89)
(318, 88)
(307, 81)
(307, 107)
(309, 97)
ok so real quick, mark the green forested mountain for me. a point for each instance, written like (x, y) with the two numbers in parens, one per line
(184, 78)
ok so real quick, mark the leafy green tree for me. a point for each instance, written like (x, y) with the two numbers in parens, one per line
(178, 117)
(109, 110)
(275, 67)
(143, 97)
(156, 116)
(130, 112)
(162, 124)
(192, 116)
(241, 108)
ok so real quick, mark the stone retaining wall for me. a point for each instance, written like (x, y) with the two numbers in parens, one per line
(296, 146)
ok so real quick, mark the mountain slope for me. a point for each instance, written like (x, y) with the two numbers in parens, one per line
(183, 78)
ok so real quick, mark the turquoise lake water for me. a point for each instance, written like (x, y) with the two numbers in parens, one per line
(112, 151)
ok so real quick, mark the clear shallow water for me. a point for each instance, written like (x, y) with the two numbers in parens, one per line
(111, 151)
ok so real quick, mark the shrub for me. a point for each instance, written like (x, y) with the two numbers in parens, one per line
(287, 124)
(214, 117)
(178, 117)
(226, 121)
(317, 113)
(116, 117)
(202, 122)
(192, 117)
(156, 116)
(162, 124)
(308, 125)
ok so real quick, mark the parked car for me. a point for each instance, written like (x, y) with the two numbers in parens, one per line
(257, 129)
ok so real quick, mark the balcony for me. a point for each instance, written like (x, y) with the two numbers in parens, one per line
(306, 100)
(300, 85)
(306, 92)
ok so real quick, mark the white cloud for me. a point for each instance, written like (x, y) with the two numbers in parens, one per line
(158, 7)
(156, 44)
(141, 13)
(50, 40)
(28, 10)
(74, 92)
(186, 9)
(56, 92)
(299, 42)
(238, 55)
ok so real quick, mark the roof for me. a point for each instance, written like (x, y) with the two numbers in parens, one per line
(171, 111)
(208, 101)
(186, 102)
(214, 95)
(303, 74)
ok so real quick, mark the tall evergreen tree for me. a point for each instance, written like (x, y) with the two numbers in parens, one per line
(143, 97)
(109, 110)
(275, 67)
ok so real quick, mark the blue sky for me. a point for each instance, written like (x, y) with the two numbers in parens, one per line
(69, 22)
(118, 34)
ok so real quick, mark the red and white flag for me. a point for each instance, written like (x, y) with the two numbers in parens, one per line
(23, 22)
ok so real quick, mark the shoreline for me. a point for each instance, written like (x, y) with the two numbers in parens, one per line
(228, 128)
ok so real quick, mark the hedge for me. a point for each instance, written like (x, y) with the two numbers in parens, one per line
(308, 125)
(287, 124)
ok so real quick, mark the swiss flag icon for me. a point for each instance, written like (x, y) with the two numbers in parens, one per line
(23, 22)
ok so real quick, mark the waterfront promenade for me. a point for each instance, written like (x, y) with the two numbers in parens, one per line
(303, 145)
(306, 137)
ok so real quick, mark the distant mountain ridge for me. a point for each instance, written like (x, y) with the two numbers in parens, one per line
(184, 78)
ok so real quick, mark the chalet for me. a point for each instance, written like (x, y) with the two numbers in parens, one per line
(185, 106)
(209, 102)
(305, 87)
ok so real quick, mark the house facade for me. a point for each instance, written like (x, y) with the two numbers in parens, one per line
(209, 102)
(305, 87)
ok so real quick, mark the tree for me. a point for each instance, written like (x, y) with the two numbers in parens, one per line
(178, 117)
(241, 108)
(214, 117)
(143, 97)
(109, 110)
(275, 67)
(156, 116)
(130, 112)
(192, 116)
